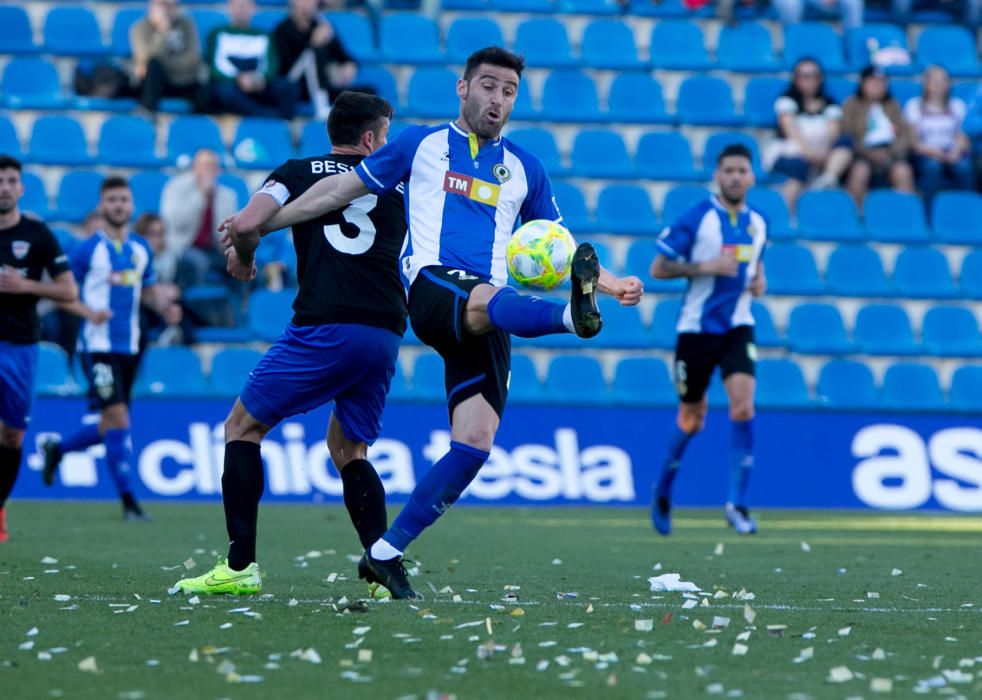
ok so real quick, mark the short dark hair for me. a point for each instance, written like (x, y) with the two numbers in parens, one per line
(494, 56)
(113, 182)
(7, 161)
(354, 113)
(144, 221)
(734, 149)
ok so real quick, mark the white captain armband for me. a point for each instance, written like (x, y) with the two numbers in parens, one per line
(276, 190)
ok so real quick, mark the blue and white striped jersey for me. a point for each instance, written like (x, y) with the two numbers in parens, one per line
(716, 304)
(462, 202)
(112, 275)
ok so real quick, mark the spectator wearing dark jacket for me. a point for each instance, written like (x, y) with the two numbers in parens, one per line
(166, 56)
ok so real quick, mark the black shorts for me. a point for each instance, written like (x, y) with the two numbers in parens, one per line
(475, 364)
(698, 354)
(111, 376)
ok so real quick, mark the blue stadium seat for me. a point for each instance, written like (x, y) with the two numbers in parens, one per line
(609, 44)
(814, 40)
(817, 329)
(52, 377)
(952, 47)
(524, 385)
(636, 97)
(678, 45)
(912, 386)
(382, 81)
(576, 379)
(569, 96)
(269, 312)
(128, 142)
(237, 185)
(746, 47)
(923, 273)
(663, 323)
(58, 140)
(882, 329)
(355, 31)
(266, 20)
(623, 327)
(314, 139)
(262, 143)
(858, 41)
(466, 33)
(706, 101)
(847, 384)
(172, 371)
(147, 186)
(970, 277)
(951, 331)
(955, 217)
(524, 109)
(205, 21)
(679, 199)
(791, 270)
(765, 332)
(542, 144)
(230, 368)
(35, 199)
(433, 93)
(9, 140)
(31, 83)
(589, 7)
(780, 384)
(72, 31)
(188, 134)
(429, 383)
(772, 205)
(665, 155)
(409, 38)
(759, 98)
(966, 388)
(544, 43)
(965, 91)
(642, 381)
(904, 90)
(856, 271)
(626, 209)
(601, 153)
(896, 217)
(16, 35)
(524, 6)
(639, 258)
(840, 89)
(78, 194)
(572, 205)
(828, 216)
(720, 140)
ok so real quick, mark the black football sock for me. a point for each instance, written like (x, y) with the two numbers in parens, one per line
(364, 497)
(129, 503)
(242, 487)
(9, 468)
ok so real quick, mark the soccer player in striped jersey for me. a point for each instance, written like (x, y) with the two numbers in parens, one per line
(717, 245)
(114, 269)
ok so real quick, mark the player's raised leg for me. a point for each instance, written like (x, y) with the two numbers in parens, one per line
(11, 440)
(740, 390)
(691, 420)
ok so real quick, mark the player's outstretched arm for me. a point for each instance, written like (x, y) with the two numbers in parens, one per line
(243, 230)
(759, 286)
(325, 195)
(82, 311)
(664, 268)
(627, 290)
(61, 289)
(155, 296)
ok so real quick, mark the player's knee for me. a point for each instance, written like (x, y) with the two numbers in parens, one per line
(478, 437)
(115, 417)
(742, 411)
(692, 420)
(11, 437)
(344, 450)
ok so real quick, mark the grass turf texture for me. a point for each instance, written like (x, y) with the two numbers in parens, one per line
(927, 621)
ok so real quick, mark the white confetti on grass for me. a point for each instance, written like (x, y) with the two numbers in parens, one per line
(88, 665)
(805, 547)
(182, 623)
(49, 560)
(32, 632)
(840, 674)
(895, 572)
(881, 685)
(62, 598)
(644, 625)
(806, 654)
(740, 649)
(190, 563)
(844, 632)
(749, 614)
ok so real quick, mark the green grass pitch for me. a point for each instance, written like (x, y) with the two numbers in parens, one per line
(519, 603)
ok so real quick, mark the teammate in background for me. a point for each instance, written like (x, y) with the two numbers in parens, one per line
(717, 244)
(466, 189)
(27, 248)
(114, 268)
(342, 344)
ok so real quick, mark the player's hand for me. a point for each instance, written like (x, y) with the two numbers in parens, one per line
(100, 317)
(244, 271)
(11, 281)
(759, 286)
(726, 265)
(227, 227)
(627, 290)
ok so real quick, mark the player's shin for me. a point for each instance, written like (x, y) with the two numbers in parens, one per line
(119, 457)
(84, 437)
(743, 461)
(677, 442)
(364, 497)
(242, 487)
(526, 316)
(10, 458)
(439, 489)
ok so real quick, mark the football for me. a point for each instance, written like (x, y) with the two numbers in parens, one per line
(540, 254)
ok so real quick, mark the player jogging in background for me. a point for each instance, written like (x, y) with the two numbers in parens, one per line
(27, 249)
(466, 189)
(114, 269)
(717, 245)
(342, 344)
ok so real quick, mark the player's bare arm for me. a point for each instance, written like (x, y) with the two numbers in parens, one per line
(157, 299)
(664, 268)
(759, 286)
(76, 307)
(326, 195)
(627, 290)
(61, 289)
(243, 230)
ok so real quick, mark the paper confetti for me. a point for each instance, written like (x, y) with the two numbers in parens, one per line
(49, 560)
(895, 572)
(879, 654)
(689, 604)
(719, 549)
(844, 632)
(364, 655)
(644, 625)
(293, 603)
(840, 674)
(749, 614)
(720, 622)
(88, 664)
(182, 623)
(805, 547)
(743, 636)
(740, 649)
(776, 630)
(671, 582)
(361, 631)
(32, 632)
(881, 685)
(62, 598)
(190, 563)
(589, 608)
(806, 654)
(310, 655)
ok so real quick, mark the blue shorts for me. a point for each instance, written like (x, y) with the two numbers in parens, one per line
(18, 364)
(310, 366)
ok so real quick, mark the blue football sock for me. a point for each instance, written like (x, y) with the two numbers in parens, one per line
(439, 489)
(526, 316)
(743, 461)
(119, 455)
(677, 443)
(86, 436)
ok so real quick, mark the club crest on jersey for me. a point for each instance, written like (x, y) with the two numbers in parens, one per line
(501, 173)
(472, 188)
(20, 249)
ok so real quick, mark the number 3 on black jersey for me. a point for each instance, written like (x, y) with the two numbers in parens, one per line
(355, 214)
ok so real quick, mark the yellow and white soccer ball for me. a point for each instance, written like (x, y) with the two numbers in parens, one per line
(540, 254)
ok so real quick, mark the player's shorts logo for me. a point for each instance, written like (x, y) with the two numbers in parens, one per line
(461, 275)
(20, 249)
(752, 351)
(501, 173)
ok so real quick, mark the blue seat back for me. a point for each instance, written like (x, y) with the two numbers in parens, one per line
(230, 368)
(911, 385)
(847, 384)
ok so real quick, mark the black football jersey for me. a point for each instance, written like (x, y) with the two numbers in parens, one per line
(30, 248)
(347, 260)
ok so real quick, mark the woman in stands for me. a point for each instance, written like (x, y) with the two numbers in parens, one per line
(810, 151)
(880, 137)
(942, 151)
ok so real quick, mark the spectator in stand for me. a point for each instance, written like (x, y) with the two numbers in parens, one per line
(971, 10)
(793, 11)
(810, 151)
(166, 57)
(192, 205)
(973, 130)
(151, 227)
(244, 70)
(881, 139)
(92, 222)
(942, 151)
